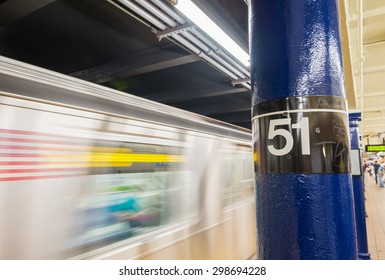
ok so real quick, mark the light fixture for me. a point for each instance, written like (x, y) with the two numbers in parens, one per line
(190, 10)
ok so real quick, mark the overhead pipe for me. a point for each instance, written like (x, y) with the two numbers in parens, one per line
(221, 64)
(143, 14)
(199, 35)
(219, 51)
(129, 12)
(188, 35)
(204, 39)
(212, 53)
(180, 39)
(245, 71)
(151, 8)
(165, 8)
(203, 55)
(362, 57)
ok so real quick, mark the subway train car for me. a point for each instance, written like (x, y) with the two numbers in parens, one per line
(87, 172)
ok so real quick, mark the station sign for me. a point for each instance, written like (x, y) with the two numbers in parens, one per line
(375, 148)
(302, 135)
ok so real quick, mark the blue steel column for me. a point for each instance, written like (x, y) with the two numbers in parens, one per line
(295, 53)
(358, 189)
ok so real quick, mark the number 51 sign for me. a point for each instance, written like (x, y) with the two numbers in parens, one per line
(274, 131)
(313, 139)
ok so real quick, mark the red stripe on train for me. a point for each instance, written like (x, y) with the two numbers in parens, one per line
(32, 162)
(24, 140)
(37, 177)
(34, 170)
(20, 155)
(38, 148)
(26, 132)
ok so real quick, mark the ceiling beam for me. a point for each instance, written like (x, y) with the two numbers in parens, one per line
(222, 108)
(379, 12)
(237, 117)
(139, 64)
(373, 94)
(351, 91)
(374, 69)
(374, 109)
(376, 43)
(225, 18)
(13, 10)
(196, 92)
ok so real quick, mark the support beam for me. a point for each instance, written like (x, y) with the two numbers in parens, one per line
(221, 108)
(193, 93)
(13, 10)
(131, 66)
(304, 195)
(235, 118)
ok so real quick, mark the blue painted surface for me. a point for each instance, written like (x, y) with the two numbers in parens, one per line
(358, 189)
(295, 51)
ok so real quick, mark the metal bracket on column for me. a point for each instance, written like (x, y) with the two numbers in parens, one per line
(240, 81)
(175, 30)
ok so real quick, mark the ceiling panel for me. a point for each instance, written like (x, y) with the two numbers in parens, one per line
(367, 45)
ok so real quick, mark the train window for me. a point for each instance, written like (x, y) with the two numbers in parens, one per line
(133, 189)
(239, 175)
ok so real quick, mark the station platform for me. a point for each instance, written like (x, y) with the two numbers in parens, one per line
(375, 222)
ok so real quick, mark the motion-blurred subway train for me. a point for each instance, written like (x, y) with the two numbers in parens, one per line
(88, 172)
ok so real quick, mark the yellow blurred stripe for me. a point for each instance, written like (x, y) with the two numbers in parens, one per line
(100, 149)
(120, 157)
(110, 150)
(110, 159)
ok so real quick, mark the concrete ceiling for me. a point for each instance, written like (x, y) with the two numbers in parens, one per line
(98, 41)
(366, 24)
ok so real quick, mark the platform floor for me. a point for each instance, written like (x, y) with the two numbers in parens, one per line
(375, 222)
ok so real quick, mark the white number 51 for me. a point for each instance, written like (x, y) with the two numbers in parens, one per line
(305, 139)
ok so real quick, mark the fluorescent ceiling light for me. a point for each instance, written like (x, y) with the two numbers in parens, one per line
(190, 10)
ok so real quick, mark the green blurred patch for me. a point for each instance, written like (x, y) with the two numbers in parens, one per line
(123, 188)
(122, 85)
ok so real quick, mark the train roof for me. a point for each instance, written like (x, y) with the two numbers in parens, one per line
(30, 81)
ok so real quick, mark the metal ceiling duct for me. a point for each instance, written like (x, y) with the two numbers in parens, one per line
(167, 23)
